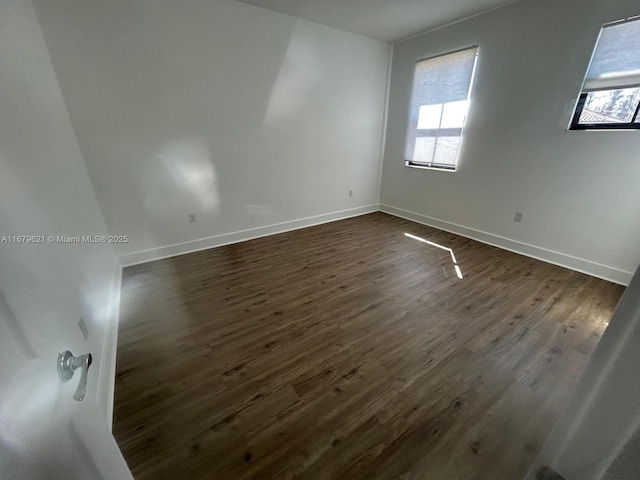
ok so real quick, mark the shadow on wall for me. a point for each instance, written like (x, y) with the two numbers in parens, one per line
(203, 130)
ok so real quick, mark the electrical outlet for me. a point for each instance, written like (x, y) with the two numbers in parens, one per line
(350, 193)
(83, 328)
(518, 217)
(192, 217)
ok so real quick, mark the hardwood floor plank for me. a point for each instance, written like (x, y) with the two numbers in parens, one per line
(352, 351)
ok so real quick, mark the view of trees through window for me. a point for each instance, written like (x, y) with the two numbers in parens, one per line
(611, 106)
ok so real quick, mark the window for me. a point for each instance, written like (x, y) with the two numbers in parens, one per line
(439, 104)
(610, 97)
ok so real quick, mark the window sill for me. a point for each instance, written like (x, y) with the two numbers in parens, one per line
(437, 169)
(606, 129)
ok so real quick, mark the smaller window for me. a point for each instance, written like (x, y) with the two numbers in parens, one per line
(438, 110)
(610, 97)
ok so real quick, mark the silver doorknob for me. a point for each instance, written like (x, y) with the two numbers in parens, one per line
(68, 364)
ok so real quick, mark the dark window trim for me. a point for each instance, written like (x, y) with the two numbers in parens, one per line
(575, 125)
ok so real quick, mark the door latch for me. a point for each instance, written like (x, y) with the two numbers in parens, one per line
(68, 364)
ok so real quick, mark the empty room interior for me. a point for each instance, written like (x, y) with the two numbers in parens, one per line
(304, 239)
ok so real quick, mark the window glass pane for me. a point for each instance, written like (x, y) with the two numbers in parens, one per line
(439, 100)
(429, 116)
(610, 106)
(446, 152)
(454, 113)
(423, 151)
(616, 59)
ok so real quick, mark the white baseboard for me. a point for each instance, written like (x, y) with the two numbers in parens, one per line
(107, 374)
(578, 264)
(159, 253)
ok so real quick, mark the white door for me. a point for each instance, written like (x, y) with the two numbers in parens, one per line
(45, 288)
(44, 432)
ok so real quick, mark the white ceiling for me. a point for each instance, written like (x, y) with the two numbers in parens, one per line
(387, 20)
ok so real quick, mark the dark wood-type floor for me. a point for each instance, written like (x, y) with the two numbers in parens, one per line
(349, 351)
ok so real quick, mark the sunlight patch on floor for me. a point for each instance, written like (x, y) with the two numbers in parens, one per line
(442, 247)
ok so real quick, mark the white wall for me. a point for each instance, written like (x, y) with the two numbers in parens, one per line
(45, 190)
(245, 117)
(578, 190)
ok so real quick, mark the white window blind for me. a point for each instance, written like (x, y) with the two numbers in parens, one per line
(438, 110)
(616, 59)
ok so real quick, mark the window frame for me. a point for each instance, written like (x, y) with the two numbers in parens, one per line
(575, 124)
(432, 166)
